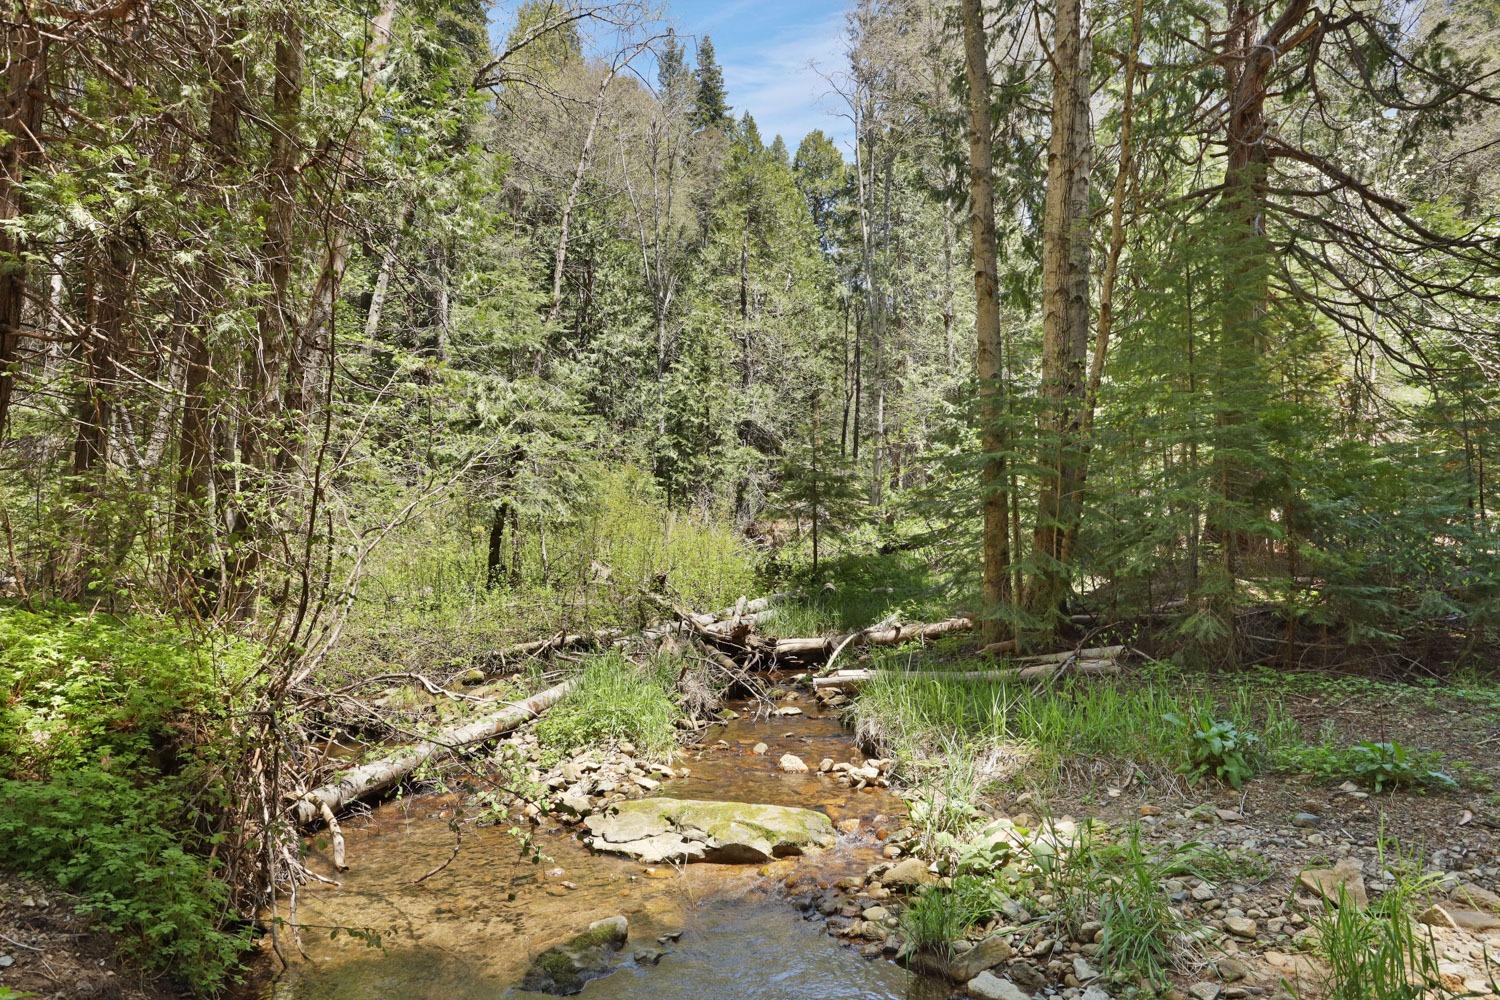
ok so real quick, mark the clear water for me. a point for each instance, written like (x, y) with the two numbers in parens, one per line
(470, 931)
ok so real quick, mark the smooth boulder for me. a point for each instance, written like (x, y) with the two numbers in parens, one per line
(660, 830)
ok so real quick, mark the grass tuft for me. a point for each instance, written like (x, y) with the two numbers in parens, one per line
(616, 701)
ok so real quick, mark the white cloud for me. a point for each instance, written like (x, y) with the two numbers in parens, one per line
(780, 81)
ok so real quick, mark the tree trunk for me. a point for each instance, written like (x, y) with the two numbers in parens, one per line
(560, 258)
(25, 94)
(992, 404)
(1124, 173)
(1065, 305)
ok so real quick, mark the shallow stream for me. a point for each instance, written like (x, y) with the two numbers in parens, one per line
(470, 931)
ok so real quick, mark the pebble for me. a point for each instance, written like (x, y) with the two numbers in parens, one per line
(1242, 927)
(759, 748)
(1204, 991)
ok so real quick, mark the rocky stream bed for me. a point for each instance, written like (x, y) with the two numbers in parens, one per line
(813, 867)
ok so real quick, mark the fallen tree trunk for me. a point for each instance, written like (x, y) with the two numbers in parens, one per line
(855, 678)
(1092, 653)
(822, 647)
(381, 774)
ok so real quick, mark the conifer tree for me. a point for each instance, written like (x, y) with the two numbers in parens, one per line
(712, 110)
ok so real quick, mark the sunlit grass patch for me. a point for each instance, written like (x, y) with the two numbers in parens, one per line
(616, 701)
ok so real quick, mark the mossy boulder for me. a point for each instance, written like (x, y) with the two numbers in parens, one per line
(563, 969)
(658, 830)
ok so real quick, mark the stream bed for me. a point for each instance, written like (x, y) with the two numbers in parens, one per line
(469, 931)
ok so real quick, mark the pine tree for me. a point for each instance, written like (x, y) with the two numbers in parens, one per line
(713, 101)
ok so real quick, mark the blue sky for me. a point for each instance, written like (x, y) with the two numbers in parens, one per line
(768, 49)
(771, 51)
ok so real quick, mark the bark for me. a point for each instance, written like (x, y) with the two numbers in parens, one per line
(1124, 173)
(377, 776)
(1065, 305)
(821, 647)
(560, 257)
(992, 404)
(25, 84)
(196, 440)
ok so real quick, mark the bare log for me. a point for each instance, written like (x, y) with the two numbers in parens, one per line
(894, 635)
(379, 775)
(855, 678)
(1092, 653)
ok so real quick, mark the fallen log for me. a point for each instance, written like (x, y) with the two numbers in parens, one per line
(1092, 653)
(381, 774)
(893, 635)
(855, 678)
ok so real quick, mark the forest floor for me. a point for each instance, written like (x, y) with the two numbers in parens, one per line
(48, 949)
(1245, 925)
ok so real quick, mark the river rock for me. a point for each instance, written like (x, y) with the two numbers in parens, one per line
(1326, 882)
(565, 968)
(987, 954)
(908, 874)
(1242, 927)
(988, 986)
(793, 764)
(657, 830)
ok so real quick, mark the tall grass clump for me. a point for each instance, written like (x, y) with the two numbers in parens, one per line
(1380, 952)
(1038, 728)
(942, 915)
(616, 701)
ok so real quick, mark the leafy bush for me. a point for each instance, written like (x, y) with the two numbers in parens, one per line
(122, 848)
(1380, 767)
(616, 701)
(1215, 748)
(113, 740)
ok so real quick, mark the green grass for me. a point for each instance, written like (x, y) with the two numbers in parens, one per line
(1380, 953)
(616, 701)
(424, 605)
(942, 915)
(1159, 717)
(865, 589)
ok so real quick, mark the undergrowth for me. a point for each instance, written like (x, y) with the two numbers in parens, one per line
(114, 739)
(616, 701)
(1013, 730)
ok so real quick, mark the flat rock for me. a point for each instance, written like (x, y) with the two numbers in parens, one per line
(1478, 897)
(908, 874)
(565, 968)
(1204, 991)
(985, 955)
(658, 830)
(1347, 875)
(988, 986)
(1459, 918)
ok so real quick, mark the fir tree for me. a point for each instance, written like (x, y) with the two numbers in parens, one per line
(713, 102)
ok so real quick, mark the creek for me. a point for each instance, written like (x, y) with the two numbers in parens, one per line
(470, 931)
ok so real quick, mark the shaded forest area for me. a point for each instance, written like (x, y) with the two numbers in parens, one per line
(365, 365)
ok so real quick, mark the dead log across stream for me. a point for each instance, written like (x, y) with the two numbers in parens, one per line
(381, 774)
(820, 648)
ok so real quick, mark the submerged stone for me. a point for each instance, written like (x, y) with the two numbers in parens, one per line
(659, 830)
(564, 969)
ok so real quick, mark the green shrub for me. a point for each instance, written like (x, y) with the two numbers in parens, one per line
(616, 701)
(114, 736)
(1215, 748)
(1380, 767)
(121, 847)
